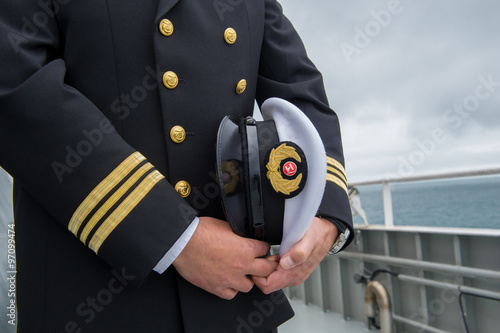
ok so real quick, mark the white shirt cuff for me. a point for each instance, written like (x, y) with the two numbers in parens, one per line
(177, 248)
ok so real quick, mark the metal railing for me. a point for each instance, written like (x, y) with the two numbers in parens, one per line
(386, 185)
(450, 273)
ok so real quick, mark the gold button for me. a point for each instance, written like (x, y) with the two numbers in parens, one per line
(166, 27)
(241, 86)
(183, 188)
(177, 134)
(230, 36)
(170, 80)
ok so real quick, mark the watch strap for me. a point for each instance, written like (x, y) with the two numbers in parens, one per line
(343, 237)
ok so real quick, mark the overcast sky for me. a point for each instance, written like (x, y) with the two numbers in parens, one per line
(416, 84)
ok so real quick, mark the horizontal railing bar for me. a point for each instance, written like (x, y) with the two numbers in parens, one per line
(444, 175)
(459, 288)
(455, 231)
(425, 265)
(417, 324)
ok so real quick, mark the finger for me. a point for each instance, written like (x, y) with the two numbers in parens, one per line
(263, 267)
(273, 282)
(275, 258)
(260, 282)
(259, 248)
(228, 293)
(247, 285)
(280, 279)
(298, 253)
(244, 284)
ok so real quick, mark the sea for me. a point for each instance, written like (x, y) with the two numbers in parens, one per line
(472, 202)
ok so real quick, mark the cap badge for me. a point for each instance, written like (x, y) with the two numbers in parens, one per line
(285, 169)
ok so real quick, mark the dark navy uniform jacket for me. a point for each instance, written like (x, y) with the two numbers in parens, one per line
(106, 107)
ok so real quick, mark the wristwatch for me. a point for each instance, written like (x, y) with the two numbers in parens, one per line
(341, 239)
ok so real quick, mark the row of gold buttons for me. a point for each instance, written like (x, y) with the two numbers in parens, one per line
(167, 29)
(230, 37)
(171, 80)
(177, 133)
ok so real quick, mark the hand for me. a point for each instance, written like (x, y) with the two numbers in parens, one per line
(220, 262)
(300, 261)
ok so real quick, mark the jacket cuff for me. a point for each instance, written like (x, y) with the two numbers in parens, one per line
(132, 217)
(335, 204)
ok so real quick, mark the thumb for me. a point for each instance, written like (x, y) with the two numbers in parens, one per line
(297, 254)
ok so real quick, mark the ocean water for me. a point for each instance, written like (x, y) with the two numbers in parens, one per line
(472, 202)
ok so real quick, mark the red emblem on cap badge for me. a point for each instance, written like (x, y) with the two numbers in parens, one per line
(289, 168)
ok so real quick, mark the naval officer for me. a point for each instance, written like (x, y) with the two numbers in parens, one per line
(108, 117)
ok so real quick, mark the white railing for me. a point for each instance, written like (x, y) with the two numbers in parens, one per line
(386, 185)
(443, 269)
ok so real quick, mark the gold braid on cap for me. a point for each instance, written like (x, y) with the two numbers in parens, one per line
(280, 185)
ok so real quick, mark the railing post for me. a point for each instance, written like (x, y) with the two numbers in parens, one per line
(386, 194)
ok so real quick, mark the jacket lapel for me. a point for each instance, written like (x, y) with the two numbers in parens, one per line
(163, 7)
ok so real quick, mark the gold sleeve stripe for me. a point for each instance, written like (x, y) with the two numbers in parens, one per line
(337, 172)
(123, 210)
(113, 200)
(101, 190)
(336, 164)
(337, 181)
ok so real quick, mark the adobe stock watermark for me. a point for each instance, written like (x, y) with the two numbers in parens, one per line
(11, 275)
(94, 137)
(372, 29)
(32, 25)
(460, 111)
(91, 306)
(223, 6)
(429, 312)
(201, 198)
(131, 100)
(454, 117)
(75, 155)
(263, 309)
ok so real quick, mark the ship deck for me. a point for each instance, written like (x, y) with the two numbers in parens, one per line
(311, 318)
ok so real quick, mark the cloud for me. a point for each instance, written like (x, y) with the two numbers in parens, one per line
(406, 78)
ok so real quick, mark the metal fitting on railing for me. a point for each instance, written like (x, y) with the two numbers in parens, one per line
(376, 294)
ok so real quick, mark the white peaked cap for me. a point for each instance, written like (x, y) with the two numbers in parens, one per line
(293, 125)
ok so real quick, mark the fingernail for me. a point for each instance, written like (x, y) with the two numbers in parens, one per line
(274, 258)
(287, 263)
